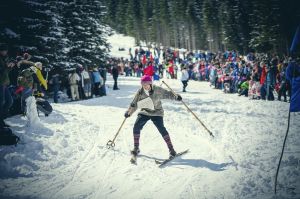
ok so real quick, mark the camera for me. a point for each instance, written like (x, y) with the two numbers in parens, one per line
(47, 69)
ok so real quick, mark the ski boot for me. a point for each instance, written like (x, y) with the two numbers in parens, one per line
(134, 154)
(172, 153)
(135, 151)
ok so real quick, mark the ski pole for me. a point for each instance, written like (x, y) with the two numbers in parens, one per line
(210, 133)
(111, 143)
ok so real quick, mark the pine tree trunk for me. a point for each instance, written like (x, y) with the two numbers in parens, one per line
(193, 38)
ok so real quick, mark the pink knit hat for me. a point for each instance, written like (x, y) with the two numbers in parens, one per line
(146, 79)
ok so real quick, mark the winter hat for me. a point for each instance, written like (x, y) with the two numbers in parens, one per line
(146, 79)
(39, 65)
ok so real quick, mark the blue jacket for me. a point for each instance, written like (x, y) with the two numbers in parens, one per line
(293, 75)
(96, 77)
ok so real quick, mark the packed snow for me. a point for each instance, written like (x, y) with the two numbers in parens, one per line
(119, 41)
(66, 156)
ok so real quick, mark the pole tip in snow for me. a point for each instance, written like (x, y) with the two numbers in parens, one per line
(110, 144)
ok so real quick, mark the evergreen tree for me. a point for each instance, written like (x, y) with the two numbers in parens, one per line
(121, 16)
(84, 31)
(55, 32)
(262, 25)
(27, 31)
(212, 23)
(165, 22)
(265, 25)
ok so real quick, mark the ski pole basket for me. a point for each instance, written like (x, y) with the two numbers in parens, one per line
(111, 143)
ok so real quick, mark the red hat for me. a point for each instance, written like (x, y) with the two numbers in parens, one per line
(146, 79)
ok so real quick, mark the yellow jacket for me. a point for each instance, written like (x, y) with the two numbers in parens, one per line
(41, 78)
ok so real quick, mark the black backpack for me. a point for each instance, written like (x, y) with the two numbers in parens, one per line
(8, 138)
(43, 106)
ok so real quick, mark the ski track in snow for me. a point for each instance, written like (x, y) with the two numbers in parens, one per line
(67, 157)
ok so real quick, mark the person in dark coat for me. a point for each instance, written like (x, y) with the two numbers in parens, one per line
(6, 100)
(55, 81)
(115, 74)
(293, 76)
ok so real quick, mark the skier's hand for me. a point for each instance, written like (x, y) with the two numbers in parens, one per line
(178, 97)
(126, 114)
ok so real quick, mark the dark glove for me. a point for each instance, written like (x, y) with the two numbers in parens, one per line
(126, 114)
(178, 98)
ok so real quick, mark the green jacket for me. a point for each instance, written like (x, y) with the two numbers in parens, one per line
(25, 78)
(245, 85)
(157, 94)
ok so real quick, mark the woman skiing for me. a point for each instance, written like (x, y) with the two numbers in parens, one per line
(148, 99)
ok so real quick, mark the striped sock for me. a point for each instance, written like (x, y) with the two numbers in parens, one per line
(136, 137)
(168, 142)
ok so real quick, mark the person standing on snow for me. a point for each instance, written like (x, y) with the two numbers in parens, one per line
(73, 81)
(6, 100)
(293, 76)
(115, 74)
(148, 99)
(184, 77)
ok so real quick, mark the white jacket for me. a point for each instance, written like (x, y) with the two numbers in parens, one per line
(184, 75)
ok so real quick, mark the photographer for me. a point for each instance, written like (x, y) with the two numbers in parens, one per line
(21, 62)
(5, 98)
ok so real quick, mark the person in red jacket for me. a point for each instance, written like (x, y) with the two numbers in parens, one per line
(171, 69)
(149, 70)
(263, 74)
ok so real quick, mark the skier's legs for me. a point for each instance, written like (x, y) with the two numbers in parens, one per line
(141, 120)
(76, 91)
(184, 85)
(115, 83)
(72, 87)
(284, 92)
(159, 123)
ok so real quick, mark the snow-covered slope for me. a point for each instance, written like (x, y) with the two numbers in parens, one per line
(67, 156)
(119, 41)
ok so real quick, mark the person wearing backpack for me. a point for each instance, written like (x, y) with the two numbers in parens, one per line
(26, 83)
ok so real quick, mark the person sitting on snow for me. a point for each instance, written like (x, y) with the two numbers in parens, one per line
(148, 99)
(26, 83)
